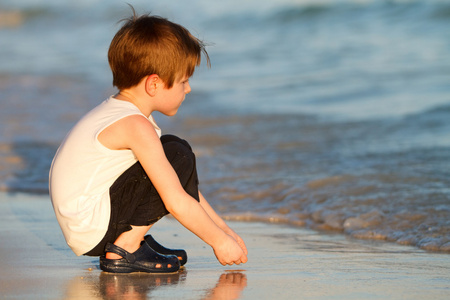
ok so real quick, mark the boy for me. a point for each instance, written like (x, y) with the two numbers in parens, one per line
(114, 175)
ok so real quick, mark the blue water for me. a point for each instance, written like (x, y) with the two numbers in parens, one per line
(333, 115)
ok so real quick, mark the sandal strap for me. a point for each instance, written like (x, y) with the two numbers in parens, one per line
(110, 247)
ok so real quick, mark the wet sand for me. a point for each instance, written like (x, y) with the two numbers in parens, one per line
(284, 263)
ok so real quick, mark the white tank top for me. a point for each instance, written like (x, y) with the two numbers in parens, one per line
(82, 172)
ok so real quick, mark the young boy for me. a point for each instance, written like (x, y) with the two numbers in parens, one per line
(114, 175)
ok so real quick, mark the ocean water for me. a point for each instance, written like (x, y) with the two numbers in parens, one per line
(332, 115)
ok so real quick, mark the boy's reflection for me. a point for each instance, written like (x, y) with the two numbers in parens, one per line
(134, 286)
(229, 286)
(138, 286)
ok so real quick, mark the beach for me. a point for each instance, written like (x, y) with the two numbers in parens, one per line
(333, 116)
(321, 133)
(284, 263)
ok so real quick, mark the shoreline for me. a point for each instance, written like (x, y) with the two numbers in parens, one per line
(284, 263)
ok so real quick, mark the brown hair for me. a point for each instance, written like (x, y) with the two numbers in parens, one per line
(147, 45)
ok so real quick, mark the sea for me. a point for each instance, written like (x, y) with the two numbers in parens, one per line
(328, 115)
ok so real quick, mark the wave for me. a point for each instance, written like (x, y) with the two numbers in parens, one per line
(375, 178)
(439, 110)
(442, 13)
(388, 10)
(287, 12)
(359, 206)
(11, 19)
(24, 166)
(340, 177)
(253, 12)
(366, 179)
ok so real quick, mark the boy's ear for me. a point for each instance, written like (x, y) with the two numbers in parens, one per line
(151, 84)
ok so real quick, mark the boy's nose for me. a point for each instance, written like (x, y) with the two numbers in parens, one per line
(187, 88)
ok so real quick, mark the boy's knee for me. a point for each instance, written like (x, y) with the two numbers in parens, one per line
(182, 159)
(179, 155)
(168, 138)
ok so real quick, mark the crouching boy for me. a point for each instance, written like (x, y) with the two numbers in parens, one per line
(114, 175)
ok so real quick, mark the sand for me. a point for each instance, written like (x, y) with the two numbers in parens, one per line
(284, 263)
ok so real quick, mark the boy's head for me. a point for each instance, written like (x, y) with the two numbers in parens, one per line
(147, 45)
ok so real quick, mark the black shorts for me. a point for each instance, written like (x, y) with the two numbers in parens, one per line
(134, 199)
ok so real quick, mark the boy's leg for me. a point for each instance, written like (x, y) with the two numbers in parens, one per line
(135, 203)
(180, 155)
(130, 240)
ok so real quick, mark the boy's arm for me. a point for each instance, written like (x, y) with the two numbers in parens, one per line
(221, 223)
(136, 133)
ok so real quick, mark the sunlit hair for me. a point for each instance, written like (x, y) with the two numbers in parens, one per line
(147, 45)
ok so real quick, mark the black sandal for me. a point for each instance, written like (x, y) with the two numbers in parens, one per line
(145, 259)
(180, 253)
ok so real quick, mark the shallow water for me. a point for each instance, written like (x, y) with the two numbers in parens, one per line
(333, 115)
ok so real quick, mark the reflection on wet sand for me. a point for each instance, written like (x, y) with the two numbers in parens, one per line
(137, 286)
(229, 286)
(134, 286)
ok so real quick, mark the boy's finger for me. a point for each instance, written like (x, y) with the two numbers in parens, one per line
(243, 247)
(243, 259)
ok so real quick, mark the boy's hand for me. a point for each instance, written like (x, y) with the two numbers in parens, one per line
(237, 238)
(229, 252)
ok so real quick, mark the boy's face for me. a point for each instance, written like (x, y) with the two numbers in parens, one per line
(173, 97)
